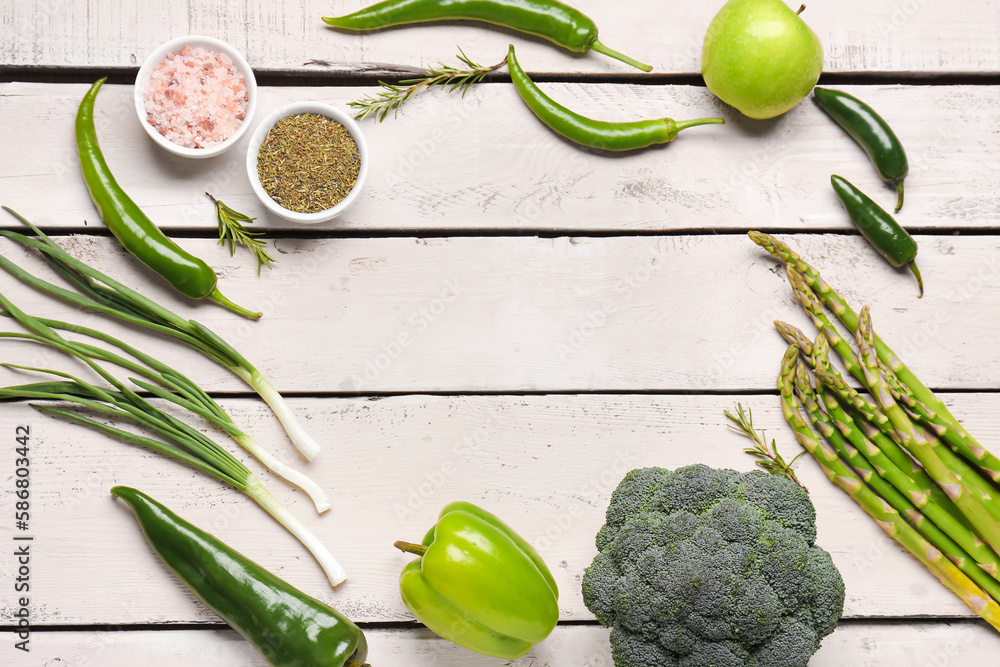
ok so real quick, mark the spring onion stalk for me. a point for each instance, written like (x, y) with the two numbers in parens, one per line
(97, 291)
(181, 441)
(175, 387)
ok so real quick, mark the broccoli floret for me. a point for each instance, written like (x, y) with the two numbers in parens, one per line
(700, 567)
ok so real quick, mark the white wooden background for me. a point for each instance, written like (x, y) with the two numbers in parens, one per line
(570, 315)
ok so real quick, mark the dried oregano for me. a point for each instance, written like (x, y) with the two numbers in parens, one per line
(308, 163)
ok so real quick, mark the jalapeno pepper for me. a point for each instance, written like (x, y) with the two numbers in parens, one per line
(551, 20)
(882, 231)
(133, 229)
(286, 626)
(871, 132)
(594, 133)
(479, 584)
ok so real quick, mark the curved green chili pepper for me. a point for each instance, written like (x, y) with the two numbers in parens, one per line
(133, 229)
(479, 584)
(881, 229)
(552, 20)
(286, 626)
(871, 132)
(596, 134)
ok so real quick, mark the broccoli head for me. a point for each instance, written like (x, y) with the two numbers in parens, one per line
(700, 567)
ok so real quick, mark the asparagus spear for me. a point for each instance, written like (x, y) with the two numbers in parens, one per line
(885, 516)
(956, 436)
(920, 446)
(954, 537)
(849, 318)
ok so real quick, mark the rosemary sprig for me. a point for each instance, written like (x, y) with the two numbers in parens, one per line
(233, 231)
(768, 457)
(392, 97)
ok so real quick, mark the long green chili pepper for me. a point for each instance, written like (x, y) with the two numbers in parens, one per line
(552, 20)
(286, 626)
(871, 132)
(588, 132)
(134, 230)
(881, 229)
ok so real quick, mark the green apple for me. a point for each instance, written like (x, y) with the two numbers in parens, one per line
(760, 57)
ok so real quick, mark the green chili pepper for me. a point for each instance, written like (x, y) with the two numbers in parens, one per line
(479, 584)
(286, 626)
(133, 229)
(552, 20)
(881, 229)
(588, 132)
(871, 132)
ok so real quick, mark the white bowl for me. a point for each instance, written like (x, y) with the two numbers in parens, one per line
(294, 109)
(210, 44)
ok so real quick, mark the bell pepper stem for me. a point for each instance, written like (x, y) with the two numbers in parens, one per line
(410, 548)
(899, 198)
(355, 663)
(216, 295)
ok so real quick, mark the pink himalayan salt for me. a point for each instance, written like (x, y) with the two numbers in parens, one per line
(196, 98)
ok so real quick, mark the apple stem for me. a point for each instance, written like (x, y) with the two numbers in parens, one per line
(801, 9)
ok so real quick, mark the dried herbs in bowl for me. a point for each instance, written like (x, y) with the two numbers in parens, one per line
(307, 162)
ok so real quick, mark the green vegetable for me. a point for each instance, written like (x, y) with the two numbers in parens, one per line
(888, 518)
(234, 232)
(890, 449)
(882, 231)
(479, 584)
(552, 20)
(136, 232)
(392, 97)
(286, 626)
(180, 440)
(171, 385)
(871, 132)
(588, 132)
(700, 566)
(97, 291)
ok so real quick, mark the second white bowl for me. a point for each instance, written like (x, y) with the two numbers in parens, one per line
(294, 109)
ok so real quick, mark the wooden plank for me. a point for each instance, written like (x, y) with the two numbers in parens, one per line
(484, 162)
(546, 464)
(856, 644)
(503, 314)
(900, 36)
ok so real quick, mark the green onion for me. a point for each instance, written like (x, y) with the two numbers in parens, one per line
(174, 387)
(97, 291)
(180, 440)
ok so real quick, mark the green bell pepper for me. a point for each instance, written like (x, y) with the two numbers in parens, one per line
(479, 584)
(286, 626)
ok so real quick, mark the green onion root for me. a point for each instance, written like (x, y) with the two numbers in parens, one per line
(334, 571)
(304, 442)
(287, 473)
